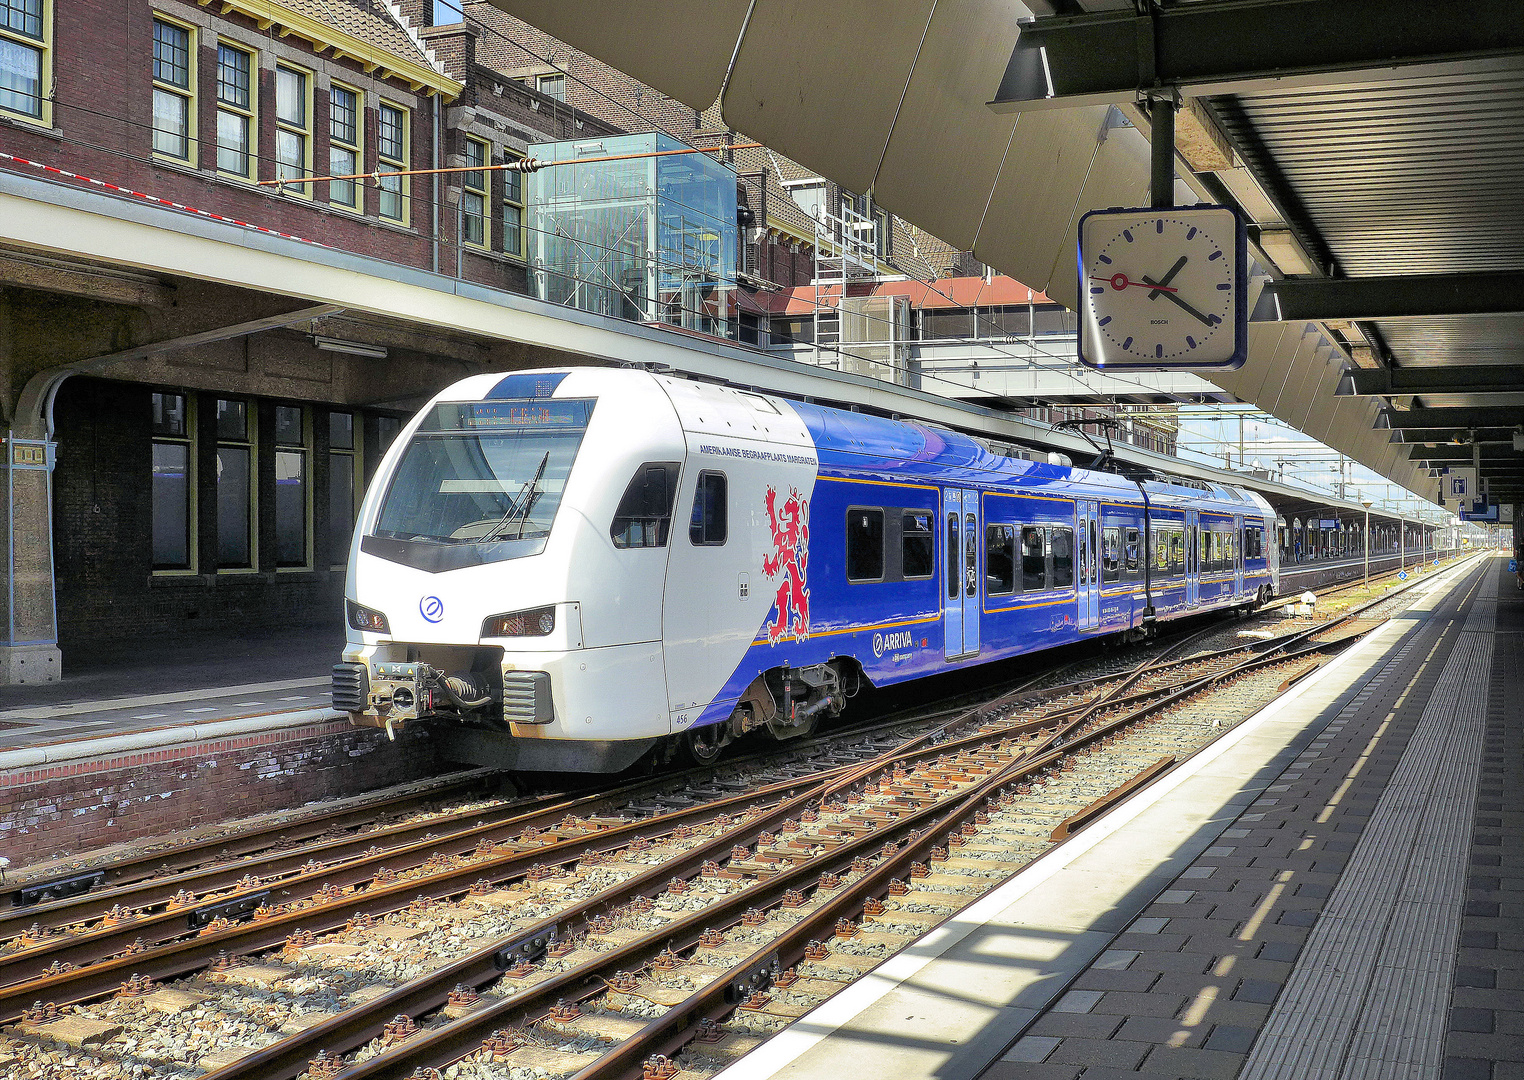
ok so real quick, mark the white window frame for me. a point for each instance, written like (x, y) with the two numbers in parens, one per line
(512, 181)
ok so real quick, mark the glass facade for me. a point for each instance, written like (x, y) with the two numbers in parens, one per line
(651, 239)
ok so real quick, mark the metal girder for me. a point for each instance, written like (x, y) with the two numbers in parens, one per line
(1225, 48)
(1399, 296)
(1442, 436)
(1447, 379)
(1490, 455)
(1457, 419)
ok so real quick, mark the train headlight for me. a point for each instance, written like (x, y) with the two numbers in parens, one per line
(536, 622)
(364, 618)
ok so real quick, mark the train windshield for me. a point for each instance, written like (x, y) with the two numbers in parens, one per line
(487, 474)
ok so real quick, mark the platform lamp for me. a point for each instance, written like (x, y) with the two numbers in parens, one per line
(1365, 540)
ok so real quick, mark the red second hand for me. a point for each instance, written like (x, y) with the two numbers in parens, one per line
(1120, 282)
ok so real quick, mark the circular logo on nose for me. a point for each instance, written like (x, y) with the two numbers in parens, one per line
(431, 608)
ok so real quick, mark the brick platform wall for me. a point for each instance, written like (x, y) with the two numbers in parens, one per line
(74, 807)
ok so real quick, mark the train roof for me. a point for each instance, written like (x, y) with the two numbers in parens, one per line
(857, 442)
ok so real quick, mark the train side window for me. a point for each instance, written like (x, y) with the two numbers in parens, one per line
(1177, 551)
(710, 520)
(917, 559)
(953, 548)
(999, 560)
(1132, 551)
(644, 515)
(1061, 543)
(865, 544)
(1111, 566)
(1034, 563)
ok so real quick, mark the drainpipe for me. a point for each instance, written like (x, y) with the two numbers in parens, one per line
(435, 182)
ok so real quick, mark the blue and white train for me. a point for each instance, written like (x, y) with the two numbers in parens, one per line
(566, 568)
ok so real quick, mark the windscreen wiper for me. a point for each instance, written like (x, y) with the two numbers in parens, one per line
(529, 494)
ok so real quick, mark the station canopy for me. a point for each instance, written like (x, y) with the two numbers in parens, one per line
(1376, 146)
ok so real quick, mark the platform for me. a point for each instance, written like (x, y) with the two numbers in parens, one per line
(1330, 890)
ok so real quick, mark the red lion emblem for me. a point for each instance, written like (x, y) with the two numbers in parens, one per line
(791, 557)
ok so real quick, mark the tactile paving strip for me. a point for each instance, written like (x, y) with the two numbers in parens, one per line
(1369, 998)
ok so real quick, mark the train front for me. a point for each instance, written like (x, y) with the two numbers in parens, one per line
(483, 594)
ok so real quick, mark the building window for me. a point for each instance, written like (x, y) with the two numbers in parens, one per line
(552, 86)
(174, 489)
(173, 91)
(235, 487)
(235, 111)
(344, 135)
(473, 197)
(392, 151)
(513, 212)
(291, 488)
(447, 12)
(293, 125)
(343, 486)
(24, 56)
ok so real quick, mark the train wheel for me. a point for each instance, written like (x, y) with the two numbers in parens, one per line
(704, 745)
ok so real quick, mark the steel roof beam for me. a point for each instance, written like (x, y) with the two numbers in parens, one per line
(1446, 379)
(1234, 48)
(1400, 296)
(1441, 436)
(1454, 419)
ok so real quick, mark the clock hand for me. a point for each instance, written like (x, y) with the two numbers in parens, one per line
(1183, 305)
(1167, 278)
(1120, 282)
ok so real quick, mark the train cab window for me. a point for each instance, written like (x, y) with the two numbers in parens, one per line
(644, 515)
(708, 525)
(865, 544)
(917, 558)
(999, 560)
(1111, 547)
(1061, 544)
(1034, 562)
(1132, 551)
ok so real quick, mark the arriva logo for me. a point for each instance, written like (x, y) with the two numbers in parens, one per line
(902, 640)
(431, 608)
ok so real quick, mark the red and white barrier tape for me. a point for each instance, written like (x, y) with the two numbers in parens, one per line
(118, 189)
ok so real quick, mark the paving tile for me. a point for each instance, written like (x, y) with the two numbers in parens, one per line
(1147, 926)
(1190, 1062)
(1231, 1039)
(1458, 1068)
(1464, 1019)
(1137, 981)
(1128, 1004)
(1105, 1052)
(1078, 1001)
(1085, 1025)
(1010, 1070)
(1030, 1048)
(1260, 991)
(1161, 1030)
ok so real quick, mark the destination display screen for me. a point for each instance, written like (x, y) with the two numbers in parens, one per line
(516, 414)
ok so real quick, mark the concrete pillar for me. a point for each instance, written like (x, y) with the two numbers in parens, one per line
(29, 637)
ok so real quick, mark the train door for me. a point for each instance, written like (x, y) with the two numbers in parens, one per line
(1090, 564)
(1238, 556)
(952, 572)
(961, 593)
(1192, 560)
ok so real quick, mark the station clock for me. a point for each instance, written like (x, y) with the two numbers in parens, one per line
(1163, 289)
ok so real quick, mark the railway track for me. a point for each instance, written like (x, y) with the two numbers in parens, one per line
(635, 928)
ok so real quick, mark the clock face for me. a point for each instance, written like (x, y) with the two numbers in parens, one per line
(1162, 288)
